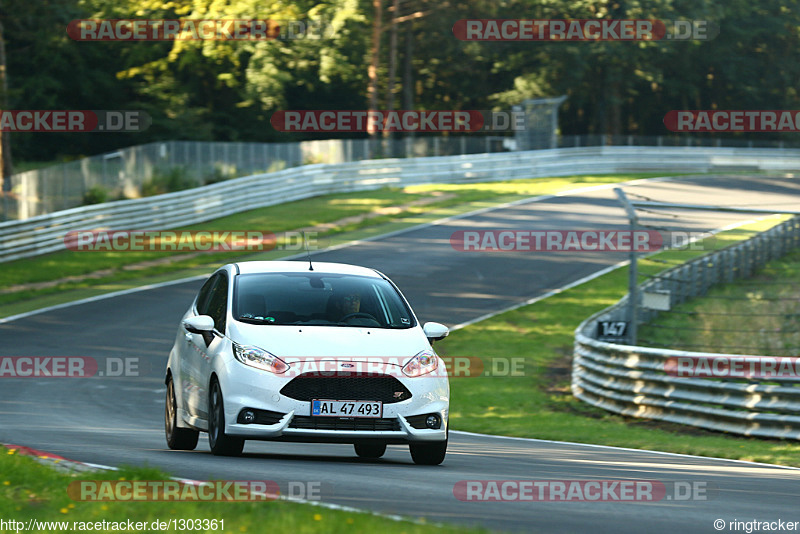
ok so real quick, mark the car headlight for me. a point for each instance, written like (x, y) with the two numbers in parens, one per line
(259, 358)
(421, 364)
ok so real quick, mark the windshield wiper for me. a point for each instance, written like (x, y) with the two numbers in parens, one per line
(253, 320)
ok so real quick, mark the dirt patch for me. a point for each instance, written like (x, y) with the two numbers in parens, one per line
(558, 374)
(436, 196)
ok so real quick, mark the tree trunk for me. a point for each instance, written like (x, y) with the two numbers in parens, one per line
(392, 63)
(408, 71)
(5, 140)
(372, 72)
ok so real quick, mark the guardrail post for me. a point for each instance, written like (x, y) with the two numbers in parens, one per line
(633, 271)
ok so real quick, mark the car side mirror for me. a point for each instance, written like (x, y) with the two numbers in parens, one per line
(435, 331)
(199, 324)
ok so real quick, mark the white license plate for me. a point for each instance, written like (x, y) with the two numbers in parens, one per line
(332, 408)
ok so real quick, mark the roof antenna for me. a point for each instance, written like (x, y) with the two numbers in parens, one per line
(308, 254)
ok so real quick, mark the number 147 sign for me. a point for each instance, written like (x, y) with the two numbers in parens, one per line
(612, 330)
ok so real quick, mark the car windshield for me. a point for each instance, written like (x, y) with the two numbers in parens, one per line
(319, 299)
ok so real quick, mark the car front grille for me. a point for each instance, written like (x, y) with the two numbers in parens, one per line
(307, 422)
(346, 386)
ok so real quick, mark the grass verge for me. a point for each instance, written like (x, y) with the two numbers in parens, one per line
(29, 490)
(349, 216)
(715, 323)
(539, 404)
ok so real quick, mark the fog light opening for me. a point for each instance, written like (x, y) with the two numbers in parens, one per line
(248, 417)
(432, 421)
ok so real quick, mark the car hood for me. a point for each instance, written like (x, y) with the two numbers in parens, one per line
(300, 342)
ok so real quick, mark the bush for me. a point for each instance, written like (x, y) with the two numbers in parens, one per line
(95, 195)
(175, 179)
(220, 173)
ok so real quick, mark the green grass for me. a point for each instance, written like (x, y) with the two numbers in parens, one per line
(116, 274)
(772, 326)
(31, 490)
(540, 404)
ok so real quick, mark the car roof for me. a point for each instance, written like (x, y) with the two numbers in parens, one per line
(251, 267)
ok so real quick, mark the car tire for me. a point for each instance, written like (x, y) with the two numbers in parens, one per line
(428, 453)
(220, 443)
(178, 439)
(370, 449)
(431, 453)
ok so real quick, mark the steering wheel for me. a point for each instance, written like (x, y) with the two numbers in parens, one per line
(359, 314)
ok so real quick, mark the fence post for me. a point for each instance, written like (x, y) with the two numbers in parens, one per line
(64, 187)
(633, 274)
(729, 265)
(252, 158)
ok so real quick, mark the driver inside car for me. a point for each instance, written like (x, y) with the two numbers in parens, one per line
(348, 304)
(346, 308)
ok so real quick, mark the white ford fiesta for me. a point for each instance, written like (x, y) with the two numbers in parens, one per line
(306, 352)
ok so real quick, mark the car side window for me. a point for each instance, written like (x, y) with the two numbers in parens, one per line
(217, 305)
(202, 296)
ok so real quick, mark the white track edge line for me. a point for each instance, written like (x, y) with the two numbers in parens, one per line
(99, 297)
(648, 451)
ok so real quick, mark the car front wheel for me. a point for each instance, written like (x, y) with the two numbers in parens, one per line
(221, 444)
(179, 439)
(428, 453)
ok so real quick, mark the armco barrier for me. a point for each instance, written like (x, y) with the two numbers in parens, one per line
(44, 233)
(632, 381)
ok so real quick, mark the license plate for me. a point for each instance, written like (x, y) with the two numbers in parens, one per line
(331, 408)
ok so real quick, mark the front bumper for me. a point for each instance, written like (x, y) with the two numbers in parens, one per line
(245, 388)
(283, 431)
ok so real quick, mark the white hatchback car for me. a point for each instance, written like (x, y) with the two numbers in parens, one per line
(306, 352)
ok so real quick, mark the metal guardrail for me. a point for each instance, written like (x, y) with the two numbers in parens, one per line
(124, 172)
(45, 233)
(632, 380)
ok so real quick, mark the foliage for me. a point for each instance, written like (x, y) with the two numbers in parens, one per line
(175, 179)
(95, 195)
(220, 173)
(227, 90)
